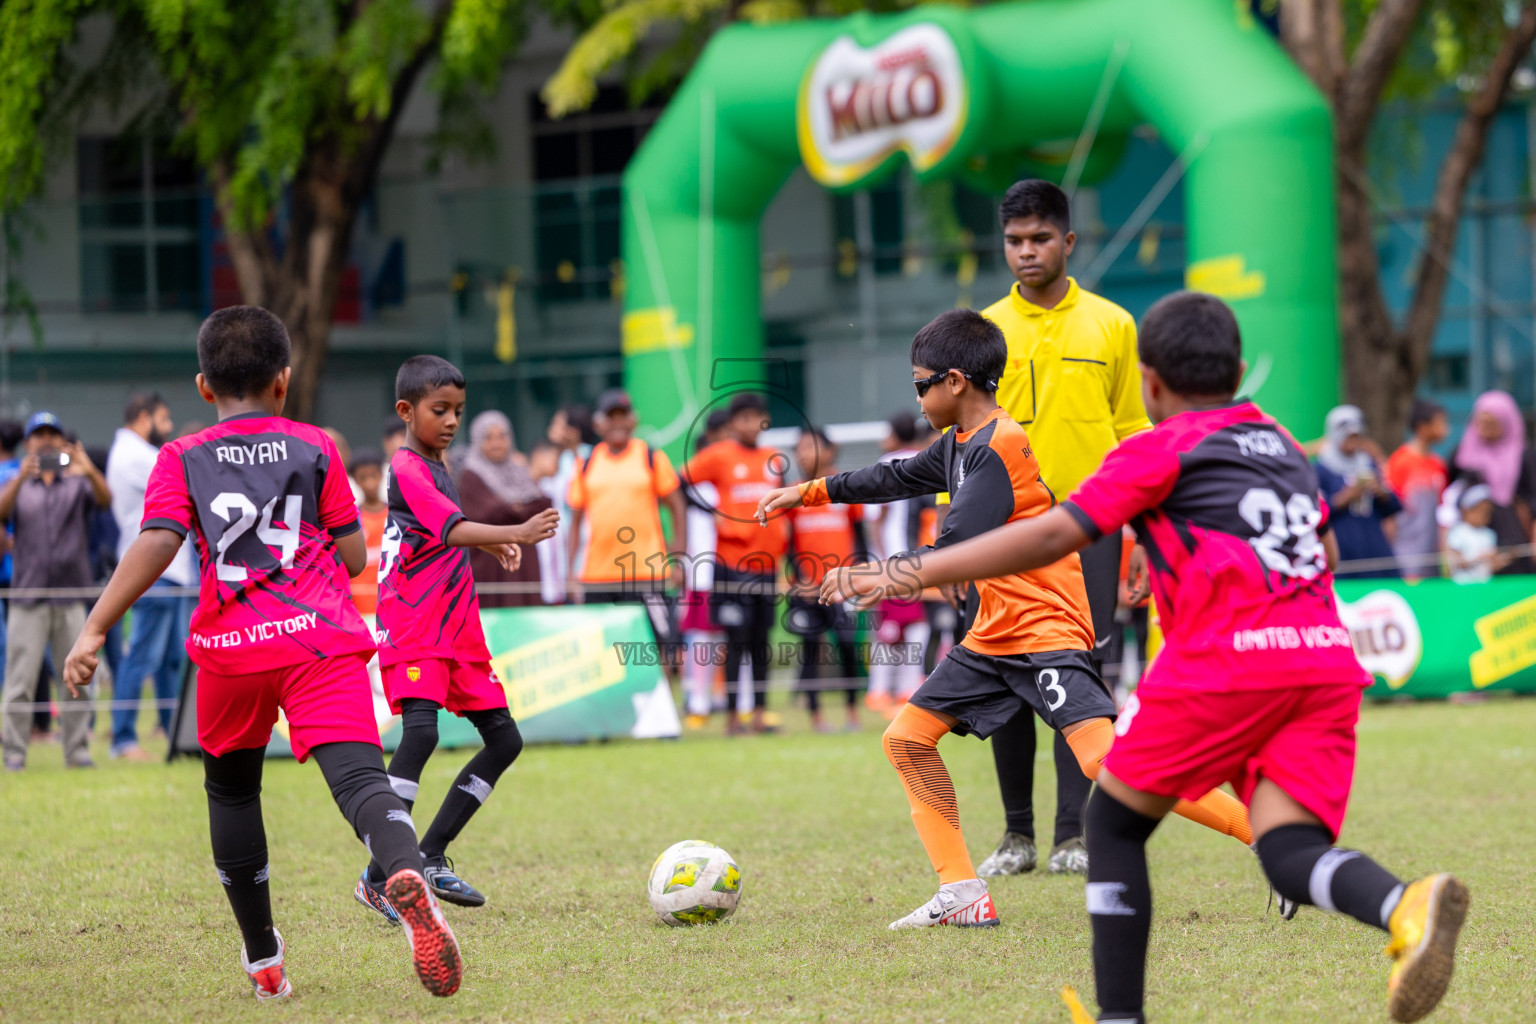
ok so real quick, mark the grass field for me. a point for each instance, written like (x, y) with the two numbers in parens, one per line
(114, 912)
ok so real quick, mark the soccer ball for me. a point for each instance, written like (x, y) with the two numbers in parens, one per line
(694, 882)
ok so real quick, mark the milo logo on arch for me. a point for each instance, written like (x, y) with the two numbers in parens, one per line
(857, 106)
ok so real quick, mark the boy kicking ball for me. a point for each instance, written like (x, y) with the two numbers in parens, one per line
(431, 648)
(275, 627)
(1033, 632)
(1257, 683)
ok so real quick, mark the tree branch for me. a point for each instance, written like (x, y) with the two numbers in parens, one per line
(1309, 30)
(1381, 45)
(250, 251)
(1456, 170)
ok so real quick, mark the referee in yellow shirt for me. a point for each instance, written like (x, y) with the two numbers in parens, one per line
(1073, 383)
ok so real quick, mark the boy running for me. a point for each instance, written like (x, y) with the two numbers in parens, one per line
(431, 648)
(1030, 644)
(1257, 683)
(275, 627)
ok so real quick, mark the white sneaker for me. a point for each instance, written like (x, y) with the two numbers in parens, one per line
(268, 976)
(963, 904)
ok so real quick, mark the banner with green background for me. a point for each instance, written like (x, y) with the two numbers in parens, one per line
(565, 678)
(1437, 637)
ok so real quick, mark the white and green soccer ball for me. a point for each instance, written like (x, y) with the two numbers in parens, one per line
(694, 882)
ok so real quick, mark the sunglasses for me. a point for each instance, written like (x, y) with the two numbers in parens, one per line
(924, 383)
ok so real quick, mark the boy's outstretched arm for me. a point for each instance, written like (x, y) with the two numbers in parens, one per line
(922, 474)
(466, 534)
(1016, 547)
(143, 563)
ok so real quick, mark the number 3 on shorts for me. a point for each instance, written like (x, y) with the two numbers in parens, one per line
(1049, 682)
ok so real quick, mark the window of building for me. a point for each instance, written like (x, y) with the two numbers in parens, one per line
(140, 248)
(578, 204)
(887, 227)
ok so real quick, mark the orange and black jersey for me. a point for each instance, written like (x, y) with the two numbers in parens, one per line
(992, 478)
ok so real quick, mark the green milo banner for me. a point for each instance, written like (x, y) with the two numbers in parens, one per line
(571, 673)
(1436, 638)
(983, 95)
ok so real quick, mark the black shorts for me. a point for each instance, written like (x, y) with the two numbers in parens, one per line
(985, 691)
(659, 608)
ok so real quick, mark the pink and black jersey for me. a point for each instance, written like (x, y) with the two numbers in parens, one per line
(427, 603)
(265, 497)
(1228, 509)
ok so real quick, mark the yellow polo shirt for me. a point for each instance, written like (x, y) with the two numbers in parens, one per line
(1072, 380)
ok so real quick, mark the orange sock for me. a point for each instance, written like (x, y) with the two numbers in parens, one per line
(1219, 811)
(1216, 810)
(911, 743)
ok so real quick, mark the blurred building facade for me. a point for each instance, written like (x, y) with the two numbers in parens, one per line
(124, 255)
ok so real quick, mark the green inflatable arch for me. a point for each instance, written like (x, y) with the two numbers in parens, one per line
(986, 96)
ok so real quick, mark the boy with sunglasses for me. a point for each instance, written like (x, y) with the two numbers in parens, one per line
(1031, 643)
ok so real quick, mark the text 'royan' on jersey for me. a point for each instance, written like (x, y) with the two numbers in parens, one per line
(265, 498)
(1228, 509)
(427, 603)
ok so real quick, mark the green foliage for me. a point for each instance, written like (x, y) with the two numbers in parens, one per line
(1453, 42)
(611, 36)
(252, 88)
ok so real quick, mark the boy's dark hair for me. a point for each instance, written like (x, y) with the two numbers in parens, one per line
(10, 434)
(393, 425)
(903, 426)
(747, 401)
(716, 421)
(1424, 412)
(963, 339)
(1036, 198)
(241, 350)
(141, 403)
(1192, 340)
(419, 376)
(365, 457)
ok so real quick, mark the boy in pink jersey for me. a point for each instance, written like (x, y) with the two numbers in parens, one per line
(431, 647)
(275, 628)
(1257, 684)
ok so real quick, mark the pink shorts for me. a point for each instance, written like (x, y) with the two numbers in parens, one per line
(1302, 738)
(695, 612)
(893, 618)
(459, 686)
(325, 701)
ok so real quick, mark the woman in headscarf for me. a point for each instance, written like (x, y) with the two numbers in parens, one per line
(1493, 452)
(1359, 501)
(495, 487)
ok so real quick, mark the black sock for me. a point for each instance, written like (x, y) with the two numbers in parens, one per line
(1072, 788)
(1303, 865)
(473, 786)
(1119, 904)
(418, 739)
(355, 773)
(233, 784)
(1013, 755)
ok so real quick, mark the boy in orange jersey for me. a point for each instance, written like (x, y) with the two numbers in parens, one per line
(823, 538)
(1030, 644)
(746, 575)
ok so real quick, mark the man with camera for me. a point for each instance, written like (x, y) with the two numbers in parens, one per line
(50, 502)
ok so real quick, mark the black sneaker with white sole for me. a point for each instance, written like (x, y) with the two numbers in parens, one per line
(448, 886)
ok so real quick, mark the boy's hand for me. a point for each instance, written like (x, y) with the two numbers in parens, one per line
(509, 555)
(80, 665)
(779, 497)
(955, 594)
(80, 464)
(30, 467)
(864, 585)
(1138, 581)
(540, 527)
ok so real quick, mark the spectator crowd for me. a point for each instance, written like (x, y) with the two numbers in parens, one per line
(678, 540)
